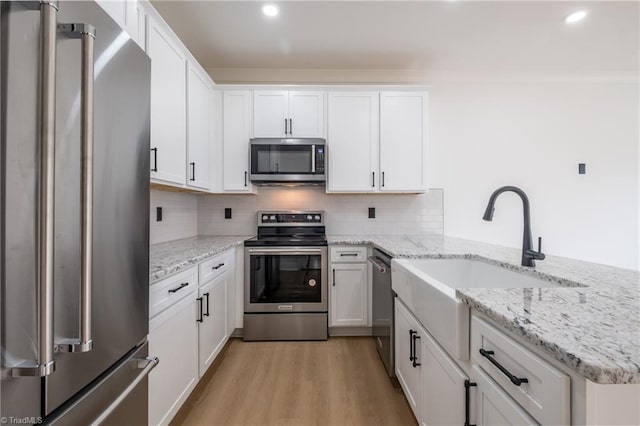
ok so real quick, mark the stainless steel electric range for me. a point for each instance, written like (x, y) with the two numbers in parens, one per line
(286, 277)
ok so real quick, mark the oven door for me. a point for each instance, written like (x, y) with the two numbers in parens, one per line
(285, 279)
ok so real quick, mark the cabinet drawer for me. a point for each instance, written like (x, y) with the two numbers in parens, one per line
(348, 254)
(544, 395)
(165, 293)
(209, 269)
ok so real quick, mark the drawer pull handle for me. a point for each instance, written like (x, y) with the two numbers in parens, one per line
(220, 265)
(467, 400)
(200, 310)
(180, 287)
(348, 254)
(206, 314)
(515, 380)
(415, 357)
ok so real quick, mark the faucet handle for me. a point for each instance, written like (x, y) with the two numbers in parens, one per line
(540, 255)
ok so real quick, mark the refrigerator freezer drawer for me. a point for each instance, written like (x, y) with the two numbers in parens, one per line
(110, 397)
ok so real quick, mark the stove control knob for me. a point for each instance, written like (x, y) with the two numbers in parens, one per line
(317, 217)
(309, 217)
(272, 218)
(265, 218)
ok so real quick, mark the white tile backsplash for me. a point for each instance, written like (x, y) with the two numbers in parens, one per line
(345, 213)
(179, 216)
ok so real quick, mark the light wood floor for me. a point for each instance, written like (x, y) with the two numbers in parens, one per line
(338, 382)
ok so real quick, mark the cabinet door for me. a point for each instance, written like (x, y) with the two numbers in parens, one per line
(168, 135)
(236, 129)
(173, 338)
(212, 331)
(410, 377)
(270, 110)
(353, 141)
(348, 294)
(141, 16)
(306, 114)
(494, 406)
(443, 392)
(403, 141)
(198, 135)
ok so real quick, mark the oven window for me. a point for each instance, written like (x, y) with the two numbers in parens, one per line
(280, 159)
(285, 279)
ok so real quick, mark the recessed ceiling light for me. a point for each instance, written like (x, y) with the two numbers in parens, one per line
(575, 17)
(270, 10)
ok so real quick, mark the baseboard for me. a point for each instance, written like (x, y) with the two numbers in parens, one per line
(349, 331)
(333, 331)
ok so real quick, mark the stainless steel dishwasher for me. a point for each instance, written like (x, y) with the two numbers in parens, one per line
(383, 318)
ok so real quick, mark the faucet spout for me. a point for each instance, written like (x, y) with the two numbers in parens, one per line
(528, 254)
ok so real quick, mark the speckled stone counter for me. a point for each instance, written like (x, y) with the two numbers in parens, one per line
(594, 330)
(173, 256)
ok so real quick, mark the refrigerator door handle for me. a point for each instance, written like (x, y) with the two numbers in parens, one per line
(45, 363)
(87, 34)
(146, 364)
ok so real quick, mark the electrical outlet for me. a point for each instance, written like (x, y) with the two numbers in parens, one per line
(227, 213)
(372, 212)
(158, 214)
(582, 168)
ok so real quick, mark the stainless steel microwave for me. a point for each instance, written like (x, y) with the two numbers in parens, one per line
(275, 160)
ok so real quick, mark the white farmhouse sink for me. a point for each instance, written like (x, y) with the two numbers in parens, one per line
(427, 287)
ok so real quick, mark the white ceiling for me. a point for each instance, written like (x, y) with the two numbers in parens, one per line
(437, 36)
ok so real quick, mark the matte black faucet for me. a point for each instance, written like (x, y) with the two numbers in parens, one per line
(528, 254)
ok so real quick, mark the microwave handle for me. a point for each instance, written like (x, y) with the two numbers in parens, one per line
(313, 158)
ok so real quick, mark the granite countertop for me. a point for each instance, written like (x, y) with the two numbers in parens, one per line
(173, 256)
(594, 330)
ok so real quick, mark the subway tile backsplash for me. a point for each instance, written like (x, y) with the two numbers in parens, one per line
(345, 213)
(179, 216)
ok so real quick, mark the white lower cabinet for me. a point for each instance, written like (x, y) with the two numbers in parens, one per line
(188, 328)
(494, 406)
(212, 321)
(349, 294)
(443, 391)
(408, 357)
(173, 338)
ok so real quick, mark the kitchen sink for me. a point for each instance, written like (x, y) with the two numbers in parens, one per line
(427, 287)
(466, 273)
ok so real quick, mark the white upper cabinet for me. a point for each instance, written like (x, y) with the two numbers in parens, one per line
(403, 141)
(353, 141)
(282, 114)
(198, 128)
(271, 114)
(306, 114)
(236, 132)
(124, 12)
(168, 86)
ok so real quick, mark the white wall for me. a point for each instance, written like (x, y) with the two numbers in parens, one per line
(533, 135)
(345, 214)
(179, 216)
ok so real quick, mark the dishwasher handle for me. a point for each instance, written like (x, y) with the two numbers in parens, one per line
(380, 266)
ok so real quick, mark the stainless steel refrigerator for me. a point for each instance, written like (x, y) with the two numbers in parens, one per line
(74, 175)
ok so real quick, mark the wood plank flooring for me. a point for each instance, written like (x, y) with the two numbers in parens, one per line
(338, 382)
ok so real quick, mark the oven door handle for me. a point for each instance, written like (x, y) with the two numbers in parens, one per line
(262, 251)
